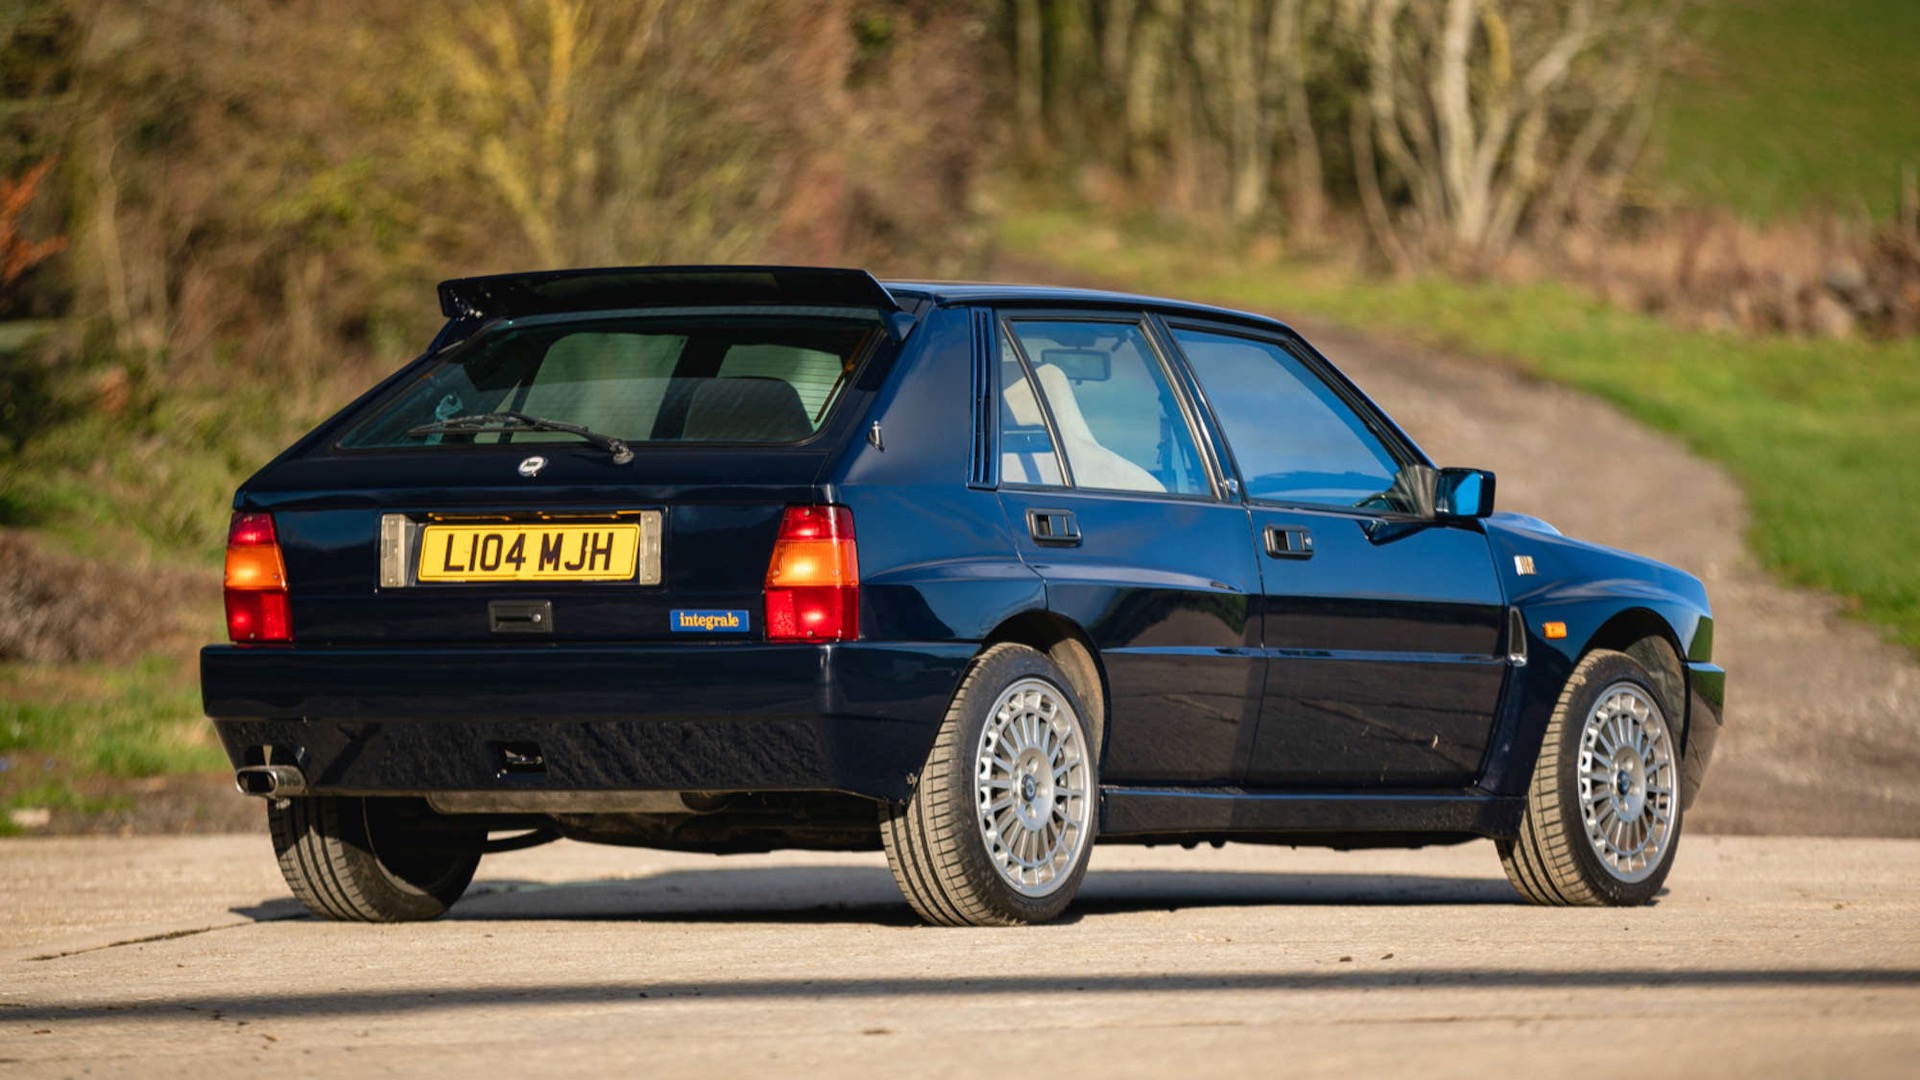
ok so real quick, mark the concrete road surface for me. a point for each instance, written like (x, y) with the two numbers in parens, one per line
(184, 957)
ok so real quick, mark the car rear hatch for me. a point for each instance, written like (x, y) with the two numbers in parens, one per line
(410, 521)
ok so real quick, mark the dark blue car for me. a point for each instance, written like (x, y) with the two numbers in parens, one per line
(732, 559)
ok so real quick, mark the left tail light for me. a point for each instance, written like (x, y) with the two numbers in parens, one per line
(256, 581)
(813, 580)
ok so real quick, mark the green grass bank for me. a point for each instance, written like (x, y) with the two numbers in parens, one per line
(1789, 106)
(1823, 436)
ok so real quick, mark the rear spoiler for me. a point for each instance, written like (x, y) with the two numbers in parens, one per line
(478, 299)
(471, 302)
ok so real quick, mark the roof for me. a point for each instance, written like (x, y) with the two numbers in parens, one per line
(983, 292)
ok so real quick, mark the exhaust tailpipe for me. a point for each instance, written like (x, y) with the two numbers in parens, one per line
(270, 781)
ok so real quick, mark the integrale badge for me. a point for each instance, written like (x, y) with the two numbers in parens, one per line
(709, 622)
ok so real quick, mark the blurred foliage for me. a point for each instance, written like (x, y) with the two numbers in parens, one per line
(20, 253)
(257, 198)
(1451, 127)
(260, 197)
(29, 402)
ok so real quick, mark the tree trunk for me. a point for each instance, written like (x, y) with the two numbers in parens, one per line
(1367, 178)
(1029, 74)
(1152, 41)
(1307, 186)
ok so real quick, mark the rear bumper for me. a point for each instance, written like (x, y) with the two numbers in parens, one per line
(857, 717)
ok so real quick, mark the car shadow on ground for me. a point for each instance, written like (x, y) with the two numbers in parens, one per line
(751, 989)
(826, 894)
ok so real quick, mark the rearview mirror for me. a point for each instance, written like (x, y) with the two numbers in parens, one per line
(1465, 493)
(1080, 365)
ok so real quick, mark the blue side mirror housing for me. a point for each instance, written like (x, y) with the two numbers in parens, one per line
(1464, 493)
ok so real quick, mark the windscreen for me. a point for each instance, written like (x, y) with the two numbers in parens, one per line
(700, 378)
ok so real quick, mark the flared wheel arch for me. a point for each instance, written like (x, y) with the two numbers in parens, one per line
(1651, 641)
(1067, 645)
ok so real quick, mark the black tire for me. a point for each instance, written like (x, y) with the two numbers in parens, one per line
(1557, 858)
(937, 845)
(372, 860)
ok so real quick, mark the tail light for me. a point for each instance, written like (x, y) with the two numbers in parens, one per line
(256, 582)
(813, 580)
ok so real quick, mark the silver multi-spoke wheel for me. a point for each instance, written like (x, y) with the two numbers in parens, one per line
(1032, 787)
(1603, 813)
(1002, 819)
(1628, 781)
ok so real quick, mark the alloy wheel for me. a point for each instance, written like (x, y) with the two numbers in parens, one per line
(1628, 782)
(1032, 787)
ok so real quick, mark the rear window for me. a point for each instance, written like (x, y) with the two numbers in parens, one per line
(758, 379)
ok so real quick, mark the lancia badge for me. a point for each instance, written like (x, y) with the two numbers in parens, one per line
(533, 465)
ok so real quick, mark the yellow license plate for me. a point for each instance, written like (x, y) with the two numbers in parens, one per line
(602, 552)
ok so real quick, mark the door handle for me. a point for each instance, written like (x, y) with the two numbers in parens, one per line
(1053, 527)
(1289, 542)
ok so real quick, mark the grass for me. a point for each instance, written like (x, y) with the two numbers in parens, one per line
(63, 727)
(142, 719)
(1823, 436)
(1800, 105)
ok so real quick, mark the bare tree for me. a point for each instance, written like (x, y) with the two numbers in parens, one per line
(1465, 120)
(584, 118)
(1482, 109)
(1288, 50)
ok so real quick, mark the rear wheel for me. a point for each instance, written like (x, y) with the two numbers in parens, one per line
(372, 860)
(1603, 813)
(999, 828)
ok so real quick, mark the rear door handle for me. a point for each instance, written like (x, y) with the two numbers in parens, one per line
(1289, 542)
(1053, 527)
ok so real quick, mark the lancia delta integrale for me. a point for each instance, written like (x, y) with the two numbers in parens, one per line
(731, 559)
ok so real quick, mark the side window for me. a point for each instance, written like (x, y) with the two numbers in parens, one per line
(1294, 438)
(1113, 407)
(1026, 450)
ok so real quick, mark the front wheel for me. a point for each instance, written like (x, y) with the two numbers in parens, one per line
(998, 830)
(1603, 813)
(372, 860)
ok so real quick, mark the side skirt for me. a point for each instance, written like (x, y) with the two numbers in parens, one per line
(1330, 819)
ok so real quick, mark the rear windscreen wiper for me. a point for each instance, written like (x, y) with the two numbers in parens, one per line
(516, 421)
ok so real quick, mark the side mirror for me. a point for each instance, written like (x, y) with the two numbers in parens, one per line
(1464, 493)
